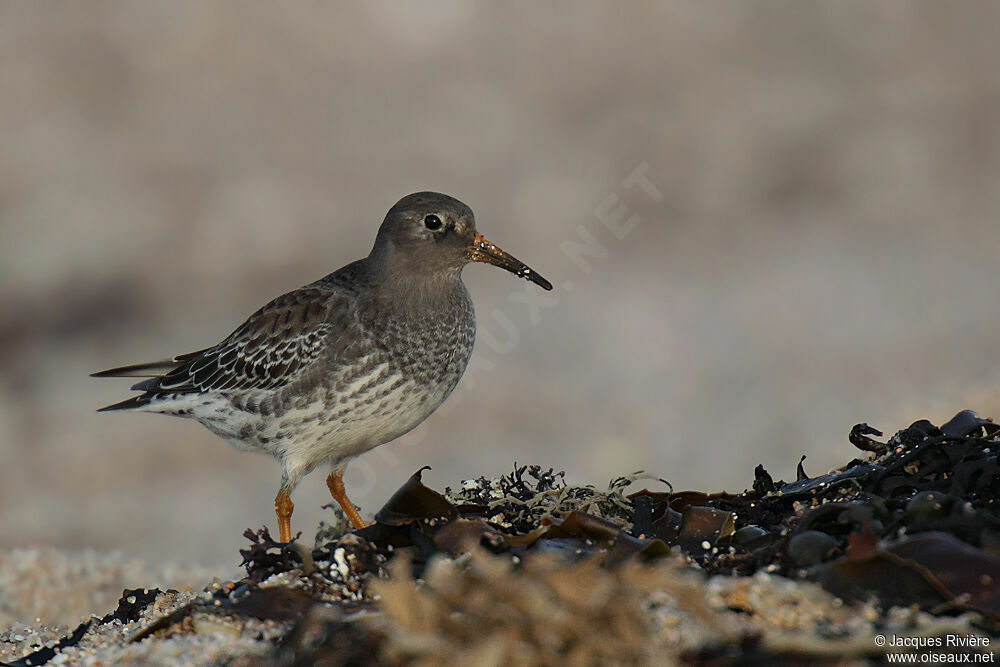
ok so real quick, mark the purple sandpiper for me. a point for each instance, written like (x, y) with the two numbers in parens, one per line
(354, 360)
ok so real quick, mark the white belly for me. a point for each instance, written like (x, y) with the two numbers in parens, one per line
(324, 431)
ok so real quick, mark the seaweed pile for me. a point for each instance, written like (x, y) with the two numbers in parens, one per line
(527, 568)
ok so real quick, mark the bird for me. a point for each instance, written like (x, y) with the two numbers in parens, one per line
(354, 360)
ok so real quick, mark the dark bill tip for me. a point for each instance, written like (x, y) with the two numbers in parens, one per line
(530, 275)
(483, 250)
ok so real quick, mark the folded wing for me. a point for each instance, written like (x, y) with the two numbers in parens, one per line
(272, 348)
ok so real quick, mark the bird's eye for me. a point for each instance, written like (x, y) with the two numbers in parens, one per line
(432, 222)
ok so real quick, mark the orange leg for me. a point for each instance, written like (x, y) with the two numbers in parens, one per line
(283, 507)
(336, 484)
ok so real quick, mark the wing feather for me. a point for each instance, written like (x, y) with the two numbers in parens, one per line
(269, 350)
(272, 348)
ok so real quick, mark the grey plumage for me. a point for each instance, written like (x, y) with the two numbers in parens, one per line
(344, 364)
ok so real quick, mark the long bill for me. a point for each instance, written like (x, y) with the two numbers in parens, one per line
(483, 250)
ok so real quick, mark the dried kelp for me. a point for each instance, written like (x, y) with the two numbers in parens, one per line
(528, 568)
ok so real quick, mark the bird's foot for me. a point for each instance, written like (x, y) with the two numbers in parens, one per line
(335, 482)
(283, 507)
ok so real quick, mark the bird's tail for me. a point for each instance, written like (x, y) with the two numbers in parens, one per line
(147, 370)
(153, 370)
(134, 403)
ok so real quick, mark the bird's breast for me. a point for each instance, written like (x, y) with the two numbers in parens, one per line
(430, 351)
(427, 341)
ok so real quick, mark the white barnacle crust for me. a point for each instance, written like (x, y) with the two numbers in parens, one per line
(340, 558)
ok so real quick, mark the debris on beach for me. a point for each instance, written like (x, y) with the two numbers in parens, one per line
(527, 568)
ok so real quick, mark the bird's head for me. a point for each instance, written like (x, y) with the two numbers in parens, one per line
(430, 232)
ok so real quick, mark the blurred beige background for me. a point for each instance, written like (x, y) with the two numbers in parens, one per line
(823, 251)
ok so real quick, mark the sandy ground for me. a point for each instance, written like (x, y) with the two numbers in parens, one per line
(818, 247)
(63, 588)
